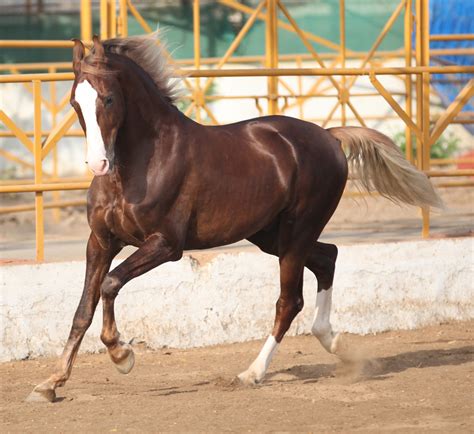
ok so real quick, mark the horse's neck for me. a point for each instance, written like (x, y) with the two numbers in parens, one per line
(145, 107)
(149, 123)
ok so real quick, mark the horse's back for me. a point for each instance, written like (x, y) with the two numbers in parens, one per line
(321, 165)
(312, 151)
(247, 173)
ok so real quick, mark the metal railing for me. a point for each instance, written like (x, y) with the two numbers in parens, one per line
(334, 80)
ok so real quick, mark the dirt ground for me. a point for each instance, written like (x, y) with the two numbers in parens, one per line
(405, 381)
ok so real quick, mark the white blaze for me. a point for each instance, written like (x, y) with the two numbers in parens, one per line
(86, 97)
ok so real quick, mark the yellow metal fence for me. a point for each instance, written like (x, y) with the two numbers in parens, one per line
(334, 79)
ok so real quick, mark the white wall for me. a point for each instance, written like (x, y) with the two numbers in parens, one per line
(231, 297)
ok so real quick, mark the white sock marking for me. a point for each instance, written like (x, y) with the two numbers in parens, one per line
(86, 97)
(257, 370)
(321, 325)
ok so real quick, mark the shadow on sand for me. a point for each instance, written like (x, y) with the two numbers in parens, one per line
(379, 368)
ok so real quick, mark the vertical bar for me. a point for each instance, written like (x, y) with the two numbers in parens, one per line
(419, 92)
(408, 78)
(198, 97)
(342, 42)
(112, 15)
(425, 154)
(39, 205)
(300, 88)
(86, 20)
(123, 19)
(419, 83)
(53, 100)
(275, 35)
(104, 21)
(271, 54)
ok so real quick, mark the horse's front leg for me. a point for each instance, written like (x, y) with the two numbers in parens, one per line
(98, 263)
(155, 251)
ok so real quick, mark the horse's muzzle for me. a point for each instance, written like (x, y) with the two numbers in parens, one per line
(99, 167)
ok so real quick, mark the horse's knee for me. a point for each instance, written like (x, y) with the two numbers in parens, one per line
(286, 311)
(291, 307)
(110, 287)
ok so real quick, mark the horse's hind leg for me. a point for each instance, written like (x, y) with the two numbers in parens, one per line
(98, 263)
(292, 259)
(322, 262)
(287, 308)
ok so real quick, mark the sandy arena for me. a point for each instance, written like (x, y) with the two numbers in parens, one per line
(413, 381)
(410, 381)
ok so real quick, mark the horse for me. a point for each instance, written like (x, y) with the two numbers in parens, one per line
(165, 184)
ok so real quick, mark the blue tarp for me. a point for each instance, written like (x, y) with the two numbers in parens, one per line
(452, 17)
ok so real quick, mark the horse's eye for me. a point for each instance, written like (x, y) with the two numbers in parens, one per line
(108, 101)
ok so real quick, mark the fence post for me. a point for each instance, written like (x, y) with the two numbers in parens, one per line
(425, 154)
(408, 78)
(104, 19)
(123, 17)
(198, 96)
(271, 54)
(54, 113)
(86, 20)
(112, 18)
(422, 54)
(342, 42)
(39, 205)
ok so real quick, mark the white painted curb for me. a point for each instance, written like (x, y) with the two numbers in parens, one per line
(232, 297)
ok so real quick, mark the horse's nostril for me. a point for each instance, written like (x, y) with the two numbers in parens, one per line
(99, 167)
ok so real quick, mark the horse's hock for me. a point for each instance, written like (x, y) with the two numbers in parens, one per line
(231, 298)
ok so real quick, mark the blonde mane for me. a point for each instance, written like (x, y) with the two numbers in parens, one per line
(151, 55)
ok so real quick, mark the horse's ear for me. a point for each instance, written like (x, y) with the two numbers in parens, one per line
(78, 52)
(98, 47)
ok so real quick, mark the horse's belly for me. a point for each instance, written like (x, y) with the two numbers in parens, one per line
(231, 224)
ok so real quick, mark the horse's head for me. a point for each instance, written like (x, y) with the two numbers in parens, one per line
(99, 103)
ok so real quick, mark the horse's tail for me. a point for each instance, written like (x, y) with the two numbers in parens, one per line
(376, 163)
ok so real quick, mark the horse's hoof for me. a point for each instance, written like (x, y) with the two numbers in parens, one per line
(126, 365)
(335, 344)
(248, 379)
(41, 395)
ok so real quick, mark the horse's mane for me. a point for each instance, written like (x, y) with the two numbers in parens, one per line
(151, 55)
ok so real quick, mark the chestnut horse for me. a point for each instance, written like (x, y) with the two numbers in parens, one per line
(165, 184)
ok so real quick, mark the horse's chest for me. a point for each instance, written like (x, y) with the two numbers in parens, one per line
(122, 222)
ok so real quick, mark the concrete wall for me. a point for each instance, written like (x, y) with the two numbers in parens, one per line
(231, 297)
